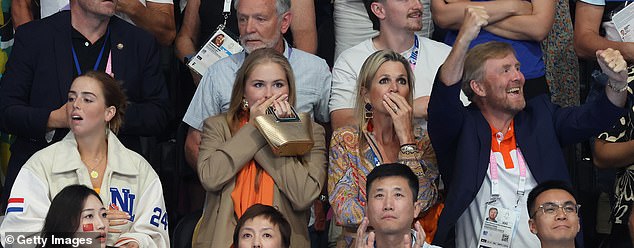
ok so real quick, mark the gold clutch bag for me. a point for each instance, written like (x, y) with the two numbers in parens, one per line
(292, 136)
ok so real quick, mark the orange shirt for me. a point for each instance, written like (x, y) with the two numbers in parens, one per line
(504, 144)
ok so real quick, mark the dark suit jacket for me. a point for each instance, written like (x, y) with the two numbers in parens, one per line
(461, 138)
(40, 72)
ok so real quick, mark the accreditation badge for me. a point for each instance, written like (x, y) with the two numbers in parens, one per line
(498, 227)
(220, 45)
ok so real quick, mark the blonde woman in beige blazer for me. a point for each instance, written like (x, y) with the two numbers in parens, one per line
(230, 142)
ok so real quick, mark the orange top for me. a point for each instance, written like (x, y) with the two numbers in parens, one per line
(504, 144)
(253, 185)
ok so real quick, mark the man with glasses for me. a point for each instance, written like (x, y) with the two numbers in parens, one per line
(553, 212)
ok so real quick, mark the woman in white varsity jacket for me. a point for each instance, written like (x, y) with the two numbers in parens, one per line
(92, 155)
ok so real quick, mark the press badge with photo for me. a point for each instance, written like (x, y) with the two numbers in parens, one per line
(219, 46)
(500, 223)
(497, 231)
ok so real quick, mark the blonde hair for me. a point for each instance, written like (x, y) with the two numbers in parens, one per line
(257, 57)
(366, 75)
(475, 60)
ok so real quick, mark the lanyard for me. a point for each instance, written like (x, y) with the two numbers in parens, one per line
(375, 159)
(227, 7)
(495, 181)
(226, 11)
(96, 66)
(372, 143)
(413, 57)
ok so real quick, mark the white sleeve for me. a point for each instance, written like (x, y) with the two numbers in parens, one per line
(28, 205)
(150, 224)
(205, 101)
(344, 81)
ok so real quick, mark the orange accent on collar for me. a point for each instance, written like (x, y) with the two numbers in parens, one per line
(505, 146)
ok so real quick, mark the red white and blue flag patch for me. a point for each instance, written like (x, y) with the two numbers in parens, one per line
(15, 205)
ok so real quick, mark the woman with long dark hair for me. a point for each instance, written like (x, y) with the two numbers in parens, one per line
(76, 209)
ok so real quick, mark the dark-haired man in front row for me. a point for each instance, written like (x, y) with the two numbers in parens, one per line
(554, 214)
(391, 208)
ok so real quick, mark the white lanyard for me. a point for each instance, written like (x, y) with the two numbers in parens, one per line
(495, 181)
(227, 7)
(226, 11)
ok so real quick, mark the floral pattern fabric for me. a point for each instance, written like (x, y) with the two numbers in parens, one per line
(350, 163)
(560, 59)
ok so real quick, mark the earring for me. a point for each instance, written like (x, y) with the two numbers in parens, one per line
(245, 104)
(367, 111)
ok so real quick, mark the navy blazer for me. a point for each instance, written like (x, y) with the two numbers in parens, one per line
(39, 73)
(461, 138)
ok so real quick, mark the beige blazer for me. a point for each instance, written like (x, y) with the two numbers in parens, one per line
(297, 183)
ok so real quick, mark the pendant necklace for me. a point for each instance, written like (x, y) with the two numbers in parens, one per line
(93, 173)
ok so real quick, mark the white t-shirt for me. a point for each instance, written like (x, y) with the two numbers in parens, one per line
(353, 25)
(50, 7)
(469, 224)
(610, 30)
(431, 56)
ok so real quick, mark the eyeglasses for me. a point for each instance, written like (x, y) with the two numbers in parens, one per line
(551, 208)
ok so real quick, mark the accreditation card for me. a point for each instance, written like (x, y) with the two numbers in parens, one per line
(624, 23)
(498, 227)
(220, 45)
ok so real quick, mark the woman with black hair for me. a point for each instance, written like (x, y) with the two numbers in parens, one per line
(262, 226)
(75, 209)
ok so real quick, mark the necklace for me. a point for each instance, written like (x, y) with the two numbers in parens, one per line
(93, 173)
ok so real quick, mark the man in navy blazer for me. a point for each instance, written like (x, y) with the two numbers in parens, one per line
(41, 68)
(534, 133)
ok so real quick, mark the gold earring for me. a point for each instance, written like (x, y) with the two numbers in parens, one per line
(245, 104)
